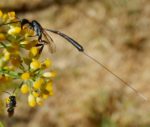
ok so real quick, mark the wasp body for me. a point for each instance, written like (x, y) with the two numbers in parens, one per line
(11, 104)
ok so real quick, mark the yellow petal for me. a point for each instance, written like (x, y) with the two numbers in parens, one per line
(1, 13)
(39, 101)
(47, 63)
(44, 96)
(35, 94)
(49, 88)
(37, 84)
(25, 76)
(35, 64)
(6, 55)
(12, 15)
(2, 37)
(24, 88)
(7, 100)
(14, 30)
(34, 51)
(31, 100)
(49, 74)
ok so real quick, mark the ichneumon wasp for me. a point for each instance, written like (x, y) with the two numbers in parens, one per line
(40, 32)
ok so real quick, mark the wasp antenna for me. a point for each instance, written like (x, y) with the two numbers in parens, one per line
(6, 92)
(124, 82)
(14, 90)
(20, 85)
(17, 87)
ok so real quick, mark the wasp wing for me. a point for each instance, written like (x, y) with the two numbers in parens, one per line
(49, 41)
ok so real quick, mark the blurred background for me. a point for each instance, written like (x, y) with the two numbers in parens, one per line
(115, 32)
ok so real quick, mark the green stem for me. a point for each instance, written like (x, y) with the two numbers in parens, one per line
(11, 74)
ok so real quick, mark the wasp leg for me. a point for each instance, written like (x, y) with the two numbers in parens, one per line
(41, 47)
(33, 36)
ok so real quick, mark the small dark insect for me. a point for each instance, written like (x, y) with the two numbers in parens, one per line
(40, 32)
(10, 104)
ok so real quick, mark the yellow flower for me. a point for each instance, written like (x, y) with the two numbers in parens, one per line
(1, 13)
(51, 93)
(6, 55)
(12, 15)
(37, 84)
(4, 17)
(21, 58)
(49, 74)
(31, 100)
(49, 88)
(24, 88)
(44, 96)
(7, 100)
(34, 51)
(25, 76)
(47, 63)
(39, 101)
(2, 37)
(35, 94)
(28, 32)
(35, 64)
(24, 42)
(14, 30)
(11, 67)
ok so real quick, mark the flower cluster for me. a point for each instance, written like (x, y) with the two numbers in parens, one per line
(20, 60)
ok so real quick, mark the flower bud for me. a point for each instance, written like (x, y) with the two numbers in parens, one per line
(31, 100)
(2, 37)
(12, 15)
(14, 30)
(37, 84)
(1, 13)
(25, 76)
(47, 63)
(34, 51)
(49, 74)
(24, 88)
(39, 101)
(35, 64)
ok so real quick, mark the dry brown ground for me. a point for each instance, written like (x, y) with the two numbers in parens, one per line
(115, 33)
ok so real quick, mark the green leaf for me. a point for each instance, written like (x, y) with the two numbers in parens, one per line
(1, 125)
(107, 122)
